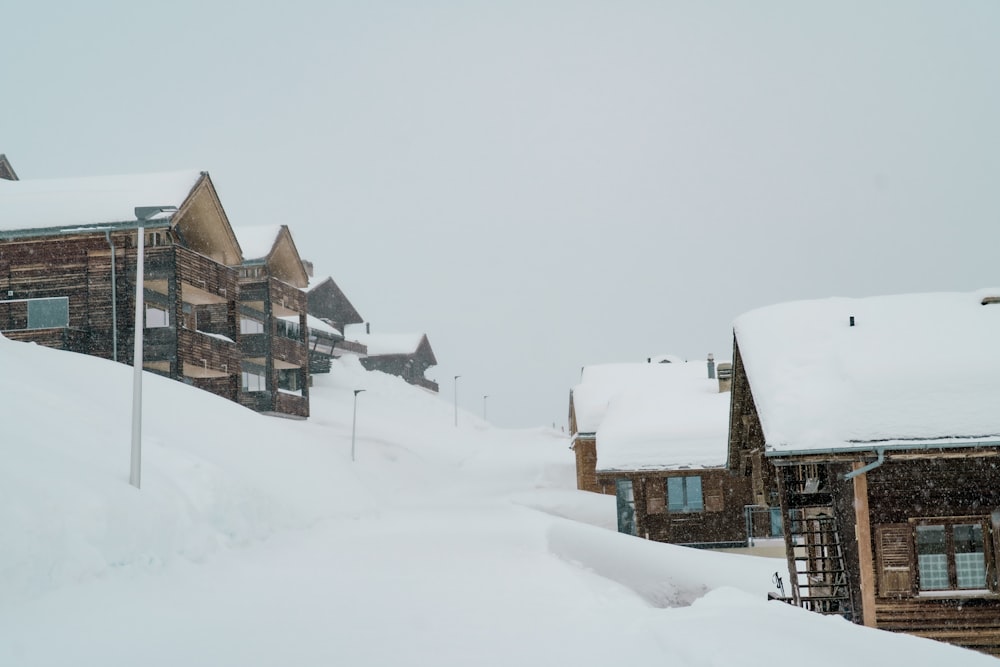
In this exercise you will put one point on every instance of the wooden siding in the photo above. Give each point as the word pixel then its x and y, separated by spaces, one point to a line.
pixel 746 438
pixel 79 267
pixel 71 340
pixel 934 487
pixel 720 523
pixel 410 367
pixel 275 296
pixel 585 449
pixel 908 487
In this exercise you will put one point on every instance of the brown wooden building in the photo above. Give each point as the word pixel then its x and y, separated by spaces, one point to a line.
pixel 406 355
pixel 6 169
pixel 662 446
pixel 331 313
pixel 588 403
pixel 68 251
pixel 273 330
pixel 873 424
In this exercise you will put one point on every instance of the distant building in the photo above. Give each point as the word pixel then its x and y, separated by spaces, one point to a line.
pixel 406 355
pixel 662 444
pixel 6 170
pixel 588 403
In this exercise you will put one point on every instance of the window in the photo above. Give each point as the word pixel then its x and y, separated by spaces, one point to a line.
pixel 684 494
pixel 156 317
pixel 951 555
pixel 290 380
pixel 48 313
pixel 248 325
pixel 626 506
pixel 289 329
pixel 254 381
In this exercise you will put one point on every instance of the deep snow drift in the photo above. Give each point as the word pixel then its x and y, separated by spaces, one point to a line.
pixel 257 541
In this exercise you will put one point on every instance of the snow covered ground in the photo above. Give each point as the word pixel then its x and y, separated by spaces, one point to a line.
pixel 256 541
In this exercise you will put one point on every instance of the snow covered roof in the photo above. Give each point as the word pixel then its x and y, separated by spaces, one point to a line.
pixel 257 242
pixel 913 370
pixel 317 324
pixel 672 417
pixel 384 344
pixel 600 383
pixel 43 203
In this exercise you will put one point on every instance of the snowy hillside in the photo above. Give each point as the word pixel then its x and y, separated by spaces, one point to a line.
pixel 256 541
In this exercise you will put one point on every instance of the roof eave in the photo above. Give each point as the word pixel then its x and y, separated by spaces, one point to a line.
pixel 874 446
pixel 90 228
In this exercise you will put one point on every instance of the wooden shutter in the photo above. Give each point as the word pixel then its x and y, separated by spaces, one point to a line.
pixel 894 544
pixel 714 496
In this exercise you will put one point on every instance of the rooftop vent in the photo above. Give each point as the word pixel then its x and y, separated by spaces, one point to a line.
pixel 725 377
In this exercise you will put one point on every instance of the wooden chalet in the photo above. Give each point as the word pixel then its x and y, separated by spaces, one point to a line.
pixel 588 403
pixel 662 444
pixel 68 250
pixel 406 355
pixel 274 340
pixel 6 170
pixel 873 425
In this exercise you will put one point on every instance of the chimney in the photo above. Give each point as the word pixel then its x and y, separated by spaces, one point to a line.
pixel 725 377
pixel 368 327
pixel 711 366
pixel 308 266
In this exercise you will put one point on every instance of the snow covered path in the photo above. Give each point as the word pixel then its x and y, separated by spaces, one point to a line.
pixel 256 542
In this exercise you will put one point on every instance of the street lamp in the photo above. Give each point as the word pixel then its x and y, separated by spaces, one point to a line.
pixel 456 399
pixel 485 396
pixel 144 215
pixel 354 421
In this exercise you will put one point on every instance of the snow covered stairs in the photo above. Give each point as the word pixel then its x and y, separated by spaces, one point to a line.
pixel 816 555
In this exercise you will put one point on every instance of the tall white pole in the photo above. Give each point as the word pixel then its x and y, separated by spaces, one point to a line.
pixel 485 396
pixel 354 421
pixel 456 399
pixel 135 473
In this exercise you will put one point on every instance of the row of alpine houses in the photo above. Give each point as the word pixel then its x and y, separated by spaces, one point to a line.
pixel 228 310
pixel 864 432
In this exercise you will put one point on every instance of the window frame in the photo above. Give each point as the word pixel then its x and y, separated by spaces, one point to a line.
pixel 949 523
pixel 260 380
pixel 688 506
pixel 165 310
pixel 48 323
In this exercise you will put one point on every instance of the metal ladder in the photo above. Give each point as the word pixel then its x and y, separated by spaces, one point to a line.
pixel 816 557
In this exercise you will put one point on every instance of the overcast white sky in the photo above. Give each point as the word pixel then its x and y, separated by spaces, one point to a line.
pixel 541 185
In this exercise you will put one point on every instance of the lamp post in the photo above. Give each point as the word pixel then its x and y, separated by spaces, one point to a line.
pixel 456 399
pixel 144 215
pixel 485 396
pixel 354 422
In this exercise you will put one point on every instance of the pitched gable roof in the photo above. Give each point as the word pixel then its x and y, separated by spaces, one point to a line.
pixel 6 169
pixel 274 246
pixel 40 207
pixel 912 370
pixel 668 419
pixel 62 202
pixel 383 345
pixel 328 301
